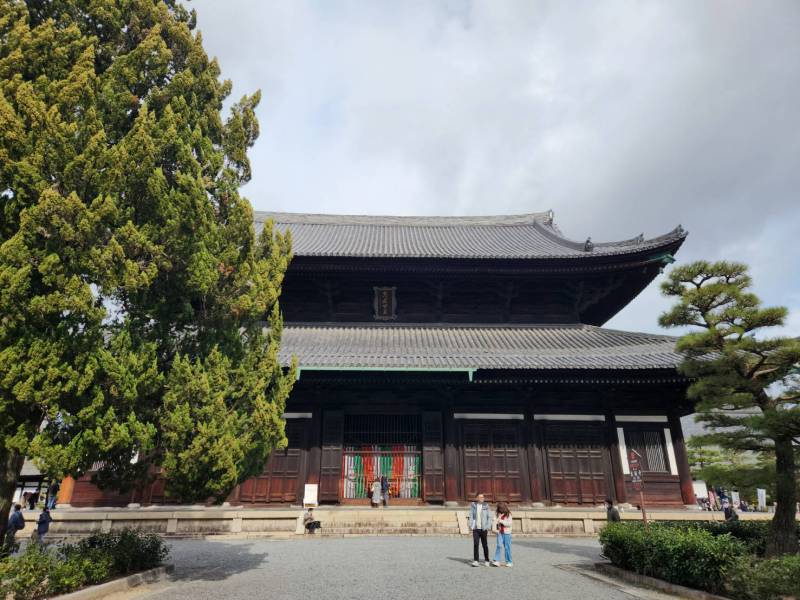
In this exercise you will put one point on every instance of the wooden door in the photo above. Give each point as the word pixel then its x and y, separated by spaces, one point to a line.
pixel 284 474
pixel 492 461
pixel 577 463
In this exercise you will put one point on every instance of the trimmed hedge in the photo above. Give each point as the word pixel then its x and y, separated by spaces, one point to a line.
pixel 41 572
pixel 692 556
pixel 771 579
pixel 753 533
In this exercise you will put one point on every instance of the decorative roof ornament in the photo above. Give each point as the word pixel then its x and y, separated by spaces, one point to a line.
pixel 549 216
pixel 640 239
pixel 588 246
pixel 680 230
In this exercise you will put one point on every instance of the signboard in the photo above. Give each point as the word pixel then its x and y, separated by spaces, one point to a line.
pixel 310 494
pixel 735 498
pixel 700 489
pixel 762 499
pixel 635 469
pixel 385 303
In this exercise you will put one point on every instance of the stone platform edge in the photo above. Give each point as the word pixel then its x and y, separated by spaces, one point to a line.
pixel 119 585
pixel 654 583
pixel 201 521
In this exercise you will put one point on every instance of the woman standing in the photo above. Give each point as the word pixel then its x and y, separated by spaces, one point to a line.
pixel 376 493
pixel 503 534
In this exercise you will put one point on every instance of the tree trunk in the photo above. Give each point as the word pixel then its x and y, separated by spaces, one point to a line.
pixel 783 529
pixel 10 467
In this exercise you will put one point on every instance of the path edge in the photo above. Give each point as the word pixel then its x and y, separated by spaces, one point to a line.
pixel 654 583
pixel 119 585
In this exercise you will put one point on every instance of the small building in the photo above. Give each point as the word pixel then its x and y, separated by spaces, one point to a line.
pixel 457 355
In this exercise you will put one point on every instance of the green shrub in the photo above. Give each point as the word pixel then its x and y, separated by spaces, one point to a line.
pixel 42 572
pixel 770 579
pixel 686 556
pixel 753 533
pixel 130 550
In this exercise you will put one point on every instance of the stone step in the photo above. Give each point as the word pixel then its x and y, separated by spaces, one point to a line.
pixel 339 531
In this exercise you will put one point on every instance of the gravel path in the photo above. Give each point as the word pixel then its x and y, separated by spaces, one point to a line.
pixel 381 568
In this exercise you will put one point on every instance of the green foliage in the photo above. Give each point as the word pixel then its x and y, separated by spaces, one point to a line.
pixel 691 557
pixel 753 534
pixel 129 550
pixel 740 471
pixel 745 384
pixel 77 569
pixel 128 259
pixel 772 579
pixel 25 576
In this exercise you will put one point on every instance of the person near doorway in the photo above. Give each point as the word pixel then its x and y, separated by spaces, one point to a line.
pixel 503 535
pixel 480 522
pixel 16 522
pixel 612 513
pixel 309 522
pixel 52 494
pixel 385 490
pixel 376 493
pixel 43 524
pixel 33 500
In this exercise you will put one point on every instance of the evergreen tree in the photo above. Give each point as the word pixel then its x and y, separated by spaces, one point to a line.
pixel 139 320
pixel 745 383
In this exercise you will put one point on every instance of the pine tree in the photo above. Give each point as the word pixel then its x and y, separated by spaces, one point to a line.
pixel 744 383
pixel 139 320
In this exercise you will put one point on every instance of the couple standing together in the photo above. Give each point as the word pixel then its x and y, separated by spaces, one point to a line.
pixel 481 523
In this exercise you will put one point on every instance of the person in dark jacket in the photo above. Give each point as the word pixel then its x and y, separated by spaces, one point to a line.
pixel 43 524
pixel 16 522
pixel 52 494
pixel 385 490
pixel 612 513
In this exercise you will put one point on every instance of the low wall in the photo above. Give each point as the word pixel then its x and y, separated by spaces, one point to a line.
pixel 202 521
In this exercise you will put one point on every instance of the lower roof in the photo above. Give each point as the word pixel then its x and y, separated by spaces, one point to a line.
pixel 466 347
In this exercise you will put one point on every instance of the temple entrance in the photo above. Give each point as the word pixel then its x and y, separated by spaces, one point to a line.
pixel 577 462
pixel 492 463
pixel 381 445
pixel 284 474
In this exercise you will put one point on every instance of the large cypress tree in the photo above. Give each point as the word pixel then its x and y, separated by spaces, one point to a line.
pixel 745 383
pixel 139 320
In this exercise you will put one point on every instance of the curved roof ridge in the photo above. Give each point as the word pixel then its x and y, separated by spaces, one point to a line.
pixel 290 218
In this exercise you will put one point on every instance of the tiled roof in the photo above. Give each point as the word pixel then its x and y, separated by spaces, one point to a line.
pixel 475 347
pixel 528 236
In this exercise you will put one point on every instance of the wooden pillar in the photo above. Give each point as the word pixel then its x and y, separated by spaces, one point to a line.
pixel 452 460
pixel 64 497
pixel 679 445
pixel 432 457
pixel 331 456
pixel 314 443
pixel 616 458
pixel 535 458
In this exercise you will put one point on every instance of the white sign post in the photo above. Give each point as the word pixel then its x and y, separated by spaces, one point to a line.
pixel 310 494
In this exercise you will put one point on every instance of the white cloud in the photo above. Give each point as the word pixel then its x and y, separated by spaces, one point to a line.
pixel 621 116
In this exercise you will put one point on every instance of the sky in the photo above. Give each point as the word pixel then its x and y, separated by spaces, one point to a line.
pixel 621 117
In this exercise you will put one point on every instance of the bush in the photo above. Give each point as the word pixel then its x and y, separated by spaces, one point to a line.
pixel 39 572
pixel 686 556
pixel 770 579
pixel 754 534
pixel 129 549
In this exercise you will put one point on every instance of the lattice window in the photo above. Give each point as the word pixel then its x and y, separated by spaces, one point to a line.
pixel 649 443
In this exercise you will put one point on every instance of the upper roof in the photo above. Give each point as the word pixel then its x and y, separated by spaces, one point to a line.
pixel 421 347
pixel 528 236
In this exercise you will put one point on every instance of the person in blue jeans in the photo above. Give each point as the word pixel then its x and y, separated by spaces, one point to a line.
pixel 503 535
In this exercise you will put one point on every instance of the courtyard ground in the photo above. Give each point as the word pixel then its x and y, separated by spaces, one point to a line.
pixel 383 568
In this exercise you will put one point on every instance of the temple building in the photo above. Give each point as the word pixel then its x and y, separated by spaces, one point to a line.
pixel 457 355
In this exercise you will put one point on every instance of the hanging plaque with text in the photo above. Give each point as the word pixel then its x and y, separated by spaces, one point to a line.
pixel 385 303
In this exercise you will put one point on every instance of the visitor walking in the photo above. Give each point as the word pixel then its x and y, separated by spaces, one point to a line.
pixel 16 522
pixel 33 499
pixel 385 490
pixel 376 493
pixel 612 513
pixel 43 524
pixel 52 494
pixel 310 524
pixel 503 535
pixel 480 522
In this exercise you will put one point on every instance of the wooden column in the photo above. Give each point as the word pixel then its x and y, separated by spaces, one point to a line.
pixel 679 445
pixel 452 460
pixel 535 458
pixel 65 491
pixel 314 444
pixel 331 458
pixel 616 459
pixel 432 457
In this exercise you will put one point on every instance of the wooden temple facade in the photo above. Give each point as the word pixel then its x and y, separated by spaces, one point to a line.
pixel 458 355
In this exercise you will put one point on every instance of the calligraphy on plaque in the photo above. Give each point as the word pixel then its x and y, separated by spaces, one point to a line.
pixel 385 303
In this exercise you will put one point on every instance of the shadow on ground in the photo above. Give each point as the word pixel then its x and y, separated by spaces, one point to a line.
pixel 556 547
pixel 220 562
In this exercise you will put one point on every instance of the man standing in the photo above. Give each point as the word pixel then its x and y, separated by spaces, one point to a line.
pixel 480 522
pixel 16 522
pixel 43 524
pixel 612 514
